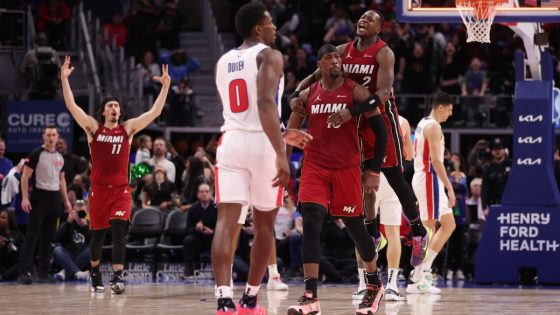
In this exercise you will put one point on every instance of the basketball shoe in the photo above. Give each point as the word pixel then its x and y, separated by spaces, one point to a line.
pixel 358 295
pixel 226 307
pixel 393 294
pixel 428 279
pixel 308 305
pixel 276 284
pixel 420 248
pixel 380 242
pixel 370 302
pixel 117 283
pixel 248 306
pixel 96 281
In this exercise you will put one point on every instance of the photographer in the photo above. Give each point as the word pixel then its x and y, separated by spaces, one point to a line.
pixel 40 67
pixel 72 249
pixel 10 243
pixel 495 176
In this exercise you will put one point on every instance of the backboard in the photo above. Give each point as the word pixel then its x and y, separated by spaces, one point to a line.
pixel 444 11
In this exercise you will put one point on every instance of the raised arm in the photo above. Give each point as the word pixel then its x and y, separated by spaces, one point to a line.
pixel 134 125
pixel 270 71
pixel 88 123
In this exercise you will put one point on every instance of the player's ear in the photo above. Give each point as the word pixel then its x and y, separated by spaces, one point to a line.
pixel 258 29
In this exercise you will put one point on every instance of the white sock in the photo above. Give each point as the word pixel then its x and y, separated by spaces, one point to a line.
pixel 392 275
pixel 417 274
pixel 427 266
pixel 362 277
pixel 273 271
pixel 252 290
pixel 224 292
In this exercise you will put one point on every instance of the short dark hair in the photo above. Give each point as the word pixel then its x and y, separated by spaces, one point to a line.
pixel 247 17
pixel 50 127
pixel 382 18
pixel 99 114
pixel 326 49
pixel 441 98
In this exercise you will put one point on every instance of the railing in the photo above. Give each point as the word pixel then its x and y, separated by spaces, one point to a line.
pixel 31 35
pixel 85 32
pixel 211 30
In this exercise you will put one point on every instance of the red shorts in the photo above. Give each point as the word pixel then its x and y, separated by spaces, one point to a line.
pixel 337 189
pixel 394 152
pixel 107 203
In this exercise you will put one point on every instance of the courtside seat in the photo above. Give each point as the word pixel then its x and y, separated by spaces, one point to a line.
pixel 145 229
pixel 171 240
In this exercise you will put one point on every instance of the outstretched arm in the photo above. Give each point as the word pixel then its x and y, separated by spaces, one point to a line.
pixel 134 125
pixel 88 123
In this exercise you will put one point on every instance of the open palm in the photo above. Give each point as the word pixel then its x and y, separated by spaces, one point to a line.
pixel 66 70
pixel 164 79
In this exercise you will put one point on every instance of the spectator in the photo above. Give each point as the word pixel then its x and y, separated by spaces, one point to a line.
pixel 40 68
pixel 143 154
pixel 179 163
pixel 72 251
pixel 141 24
pixel 416 80
pixel 474 203
pixel 201 222
pixel 52 17
pixel 451 76
pixel 192 178
pixel 474 84
pixel 145 71
pixel 302 64
pixel 338 261
pixel 168 28
pixel 284 227
pixel 339 29
pixel 11 241
pixel 5 164
pixel 83 183
pixel 495 176
pixel 73 164
pixel 158 193
pixel 114 33
pixel 11 195
pixel 159 159
pixel 183 109
pixel 46 166
pixel 208 166
pixel 180 64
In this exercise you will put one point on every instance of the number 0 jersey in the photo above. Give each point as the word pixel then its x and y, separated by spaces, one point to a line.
pixel 236 80
pixel 109 156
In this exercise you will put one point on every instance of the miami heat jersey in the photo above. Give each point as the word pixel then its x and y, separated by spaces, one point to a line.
pixel 422 161
pixel 332 147
pixel 109 156
pixel 236 80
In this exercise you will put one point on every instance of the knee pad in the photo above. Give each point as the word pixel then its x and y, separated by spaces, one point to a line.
pixel 96 244
pixel 119 228
pixel 313 217
pixel 360 236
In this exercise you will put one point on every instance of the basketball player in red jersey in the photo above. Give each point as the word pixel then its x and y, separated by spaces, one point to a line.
pixel 370 62
pixel 110 197
pixel 331 177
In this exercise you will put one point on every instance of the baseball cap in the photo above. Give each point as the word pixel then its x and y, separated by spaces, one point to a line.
pixel 497 143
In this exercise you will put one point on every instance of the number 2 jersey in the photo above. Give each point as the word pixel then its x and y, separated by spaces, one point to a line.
pixel 109 156
pixel 332 147
pixel 236 80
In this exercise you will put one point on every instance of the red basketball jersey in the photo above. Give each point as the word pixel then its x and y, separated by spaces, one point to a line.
pixel 109 156
pixel 332 147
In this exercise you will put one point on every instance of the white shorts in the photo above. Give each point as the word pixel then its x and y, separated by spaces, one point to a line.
pixel 386 200
pixel 245 168
pixel 243 214
pixel 431 196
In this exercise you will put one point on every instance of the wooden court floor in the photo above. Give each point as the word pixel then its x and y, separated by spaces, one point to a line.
pixel 75 298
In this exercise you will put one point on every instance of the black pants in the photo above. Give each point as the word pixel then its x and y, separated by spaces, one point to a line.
pixel 193 246
pixel 457 253
pixel 46 206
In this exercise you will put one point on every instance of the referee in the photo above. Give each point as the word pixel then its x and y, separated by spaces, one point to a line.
pixel 45 167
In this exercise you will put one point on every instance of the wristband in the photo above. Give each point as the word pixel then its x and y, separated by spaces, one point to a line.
pixel 373 173
pixel 370 104
pixel 293 95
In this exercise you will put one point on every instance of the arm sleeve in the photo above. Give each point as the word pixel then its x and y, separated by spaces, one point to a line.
pixel 378 125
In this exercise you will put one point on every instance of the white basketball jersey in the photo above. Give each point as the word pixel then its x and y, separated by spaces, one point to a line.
pixel 422 160
pixel 236 80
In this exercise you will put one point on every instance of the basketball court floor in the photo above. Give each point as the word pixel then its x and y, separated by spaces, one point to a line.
pixel 182 298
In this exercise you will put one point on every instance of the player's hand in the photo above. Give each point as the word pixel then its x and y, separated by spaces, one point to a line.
pixel 282 171
pixel 339 118
pixel 68 206
pixel 297 138
pixel 164 79
pixel 25 205
pixel 297 106
pixel 451 197
pixel 66 70
pixel 371 183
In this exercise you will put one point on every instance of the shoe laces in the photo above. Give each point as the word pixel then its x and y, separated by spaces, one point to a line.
pixel 225 304
pixel 369 296
pixel 248 301
pixel 307 296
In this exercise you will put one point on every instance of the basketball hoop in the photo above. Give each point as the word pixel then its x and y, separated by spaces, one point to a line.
pixel 478 16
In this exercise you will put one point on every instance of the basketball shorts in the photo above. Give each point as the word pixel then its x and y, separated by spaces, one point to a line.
pixel 431 195
pixel 388 204
pixel 394 153
pixel 245 168
pixel 338 190
pixel 243 215
pixel 109 203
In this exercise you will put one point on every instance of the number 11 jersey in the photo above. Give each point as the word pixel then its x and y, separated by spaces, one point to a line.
pixel 109 156
pixel 236 80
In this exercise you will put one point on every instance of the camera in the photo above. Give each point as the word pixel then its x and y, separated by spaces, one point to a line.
pixel 82 214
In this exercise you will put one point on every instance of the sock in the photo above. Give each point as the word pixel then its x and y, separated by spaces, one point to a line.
pixel 417 274
pixel 224 292
pixel 272 271
pixel 372 278
pixel 427 266
pixel 418 228
pixel 371 226
pixel 392 275
pixel 252 290
pixel 311 285
pixel 362 277
pixel 231 281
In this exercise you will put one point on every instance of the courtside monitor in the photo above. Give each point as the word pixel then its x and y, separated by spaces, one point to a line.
pixel 445 11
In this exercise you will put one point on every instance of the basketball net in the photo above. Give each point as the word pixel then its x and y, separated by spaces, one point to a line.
pixel 478 16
